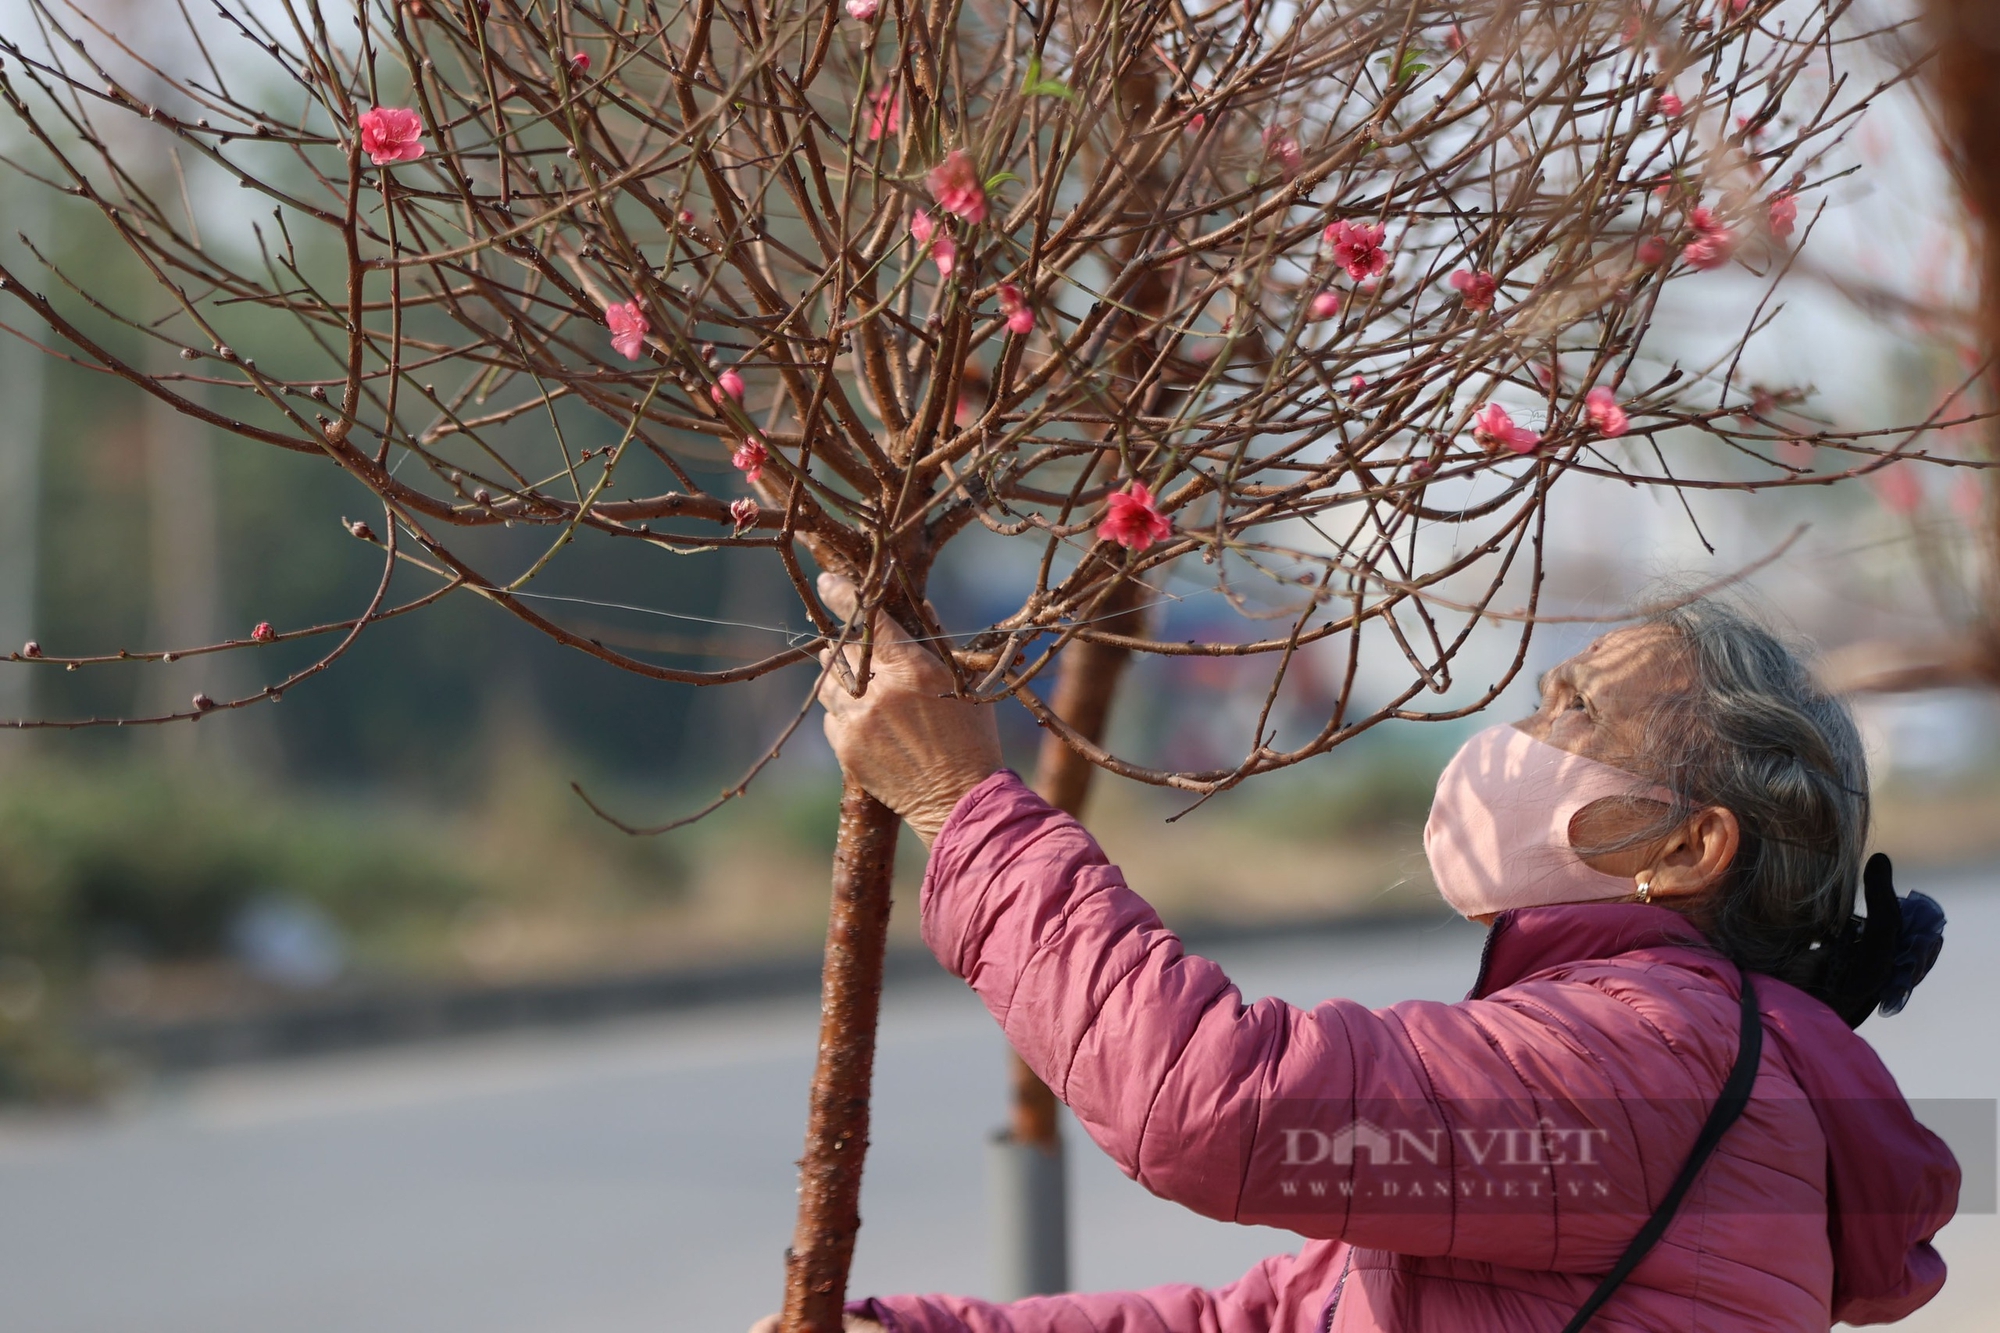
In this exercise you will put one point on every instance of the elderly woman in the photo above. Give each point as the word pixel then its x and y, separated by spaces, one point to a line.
pixel 1650 1112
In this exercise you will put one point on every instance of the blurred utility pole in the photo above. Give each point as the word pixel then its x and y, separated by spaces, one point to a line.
pixel 22 369
pixel 1026 1173
pixel 185 563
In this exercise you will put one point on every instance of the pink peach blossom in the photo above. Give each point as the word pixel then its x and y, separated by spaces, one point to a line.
pixel 263 633
pixel 391 134
pixel 1454 39
pixel 1196 121
pixel 628 326
pixel 1133 520
pixel 1326 305
pixel 743 513
pixel 1653 251
pixel 1282 147
pixel 885 111
pixel 1784 214
pixel 1477 289
pixel 728 384
pixel 1602 407
pixel 954 183
pixel 1020 315
pixel 1359 384
pixel 750 458
pixel 579 64
pixel 863 10
pixel 944 250
pixel 1713 242
pixel 1357 247
pixel 1495 429
pixel 1670 106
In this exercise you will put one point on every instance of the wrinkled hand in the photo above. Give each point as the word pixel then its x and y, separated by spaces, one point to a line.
pixel 910 744
pixel 855 1324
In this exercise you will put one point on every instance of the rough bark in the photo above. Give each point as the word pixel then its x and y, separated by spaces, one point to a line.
pixel 857 930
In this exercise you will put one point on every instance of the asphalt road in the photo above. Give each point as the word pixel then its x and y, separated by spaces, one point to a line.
pixel 638 1176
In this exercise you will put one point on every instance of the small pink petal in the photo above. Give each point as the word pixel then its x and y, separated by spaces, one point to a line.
pixel 1326 305
pixel 743 513
pixel 862 10
pixel 729 384
pixel 1670 106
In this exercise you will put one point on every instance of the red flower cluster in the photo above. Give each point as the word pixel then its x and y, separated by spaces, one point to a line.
pixel 954 183
pixel 1495 429
pixel 1478 289
pixel 1602 407
pixel 944 250
pixel 1713 242
pixel 885 111
pixel 1020 315
pixel 1357 247
pixel 1784 214
pixel 391 134
pixel 627 323
pixel 749 459
pixel 1133 520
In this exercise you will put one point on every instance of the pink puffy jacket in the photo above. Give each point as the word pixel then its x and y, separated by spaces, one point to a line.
pixel 1613 1020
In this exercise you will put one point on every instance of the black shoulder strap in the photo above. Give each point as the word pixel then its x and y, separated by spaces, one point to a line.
pixel 1735 1096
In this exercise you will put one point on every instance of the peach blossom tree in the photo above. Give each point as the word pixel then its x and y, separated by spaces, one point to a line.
pixel 1301 309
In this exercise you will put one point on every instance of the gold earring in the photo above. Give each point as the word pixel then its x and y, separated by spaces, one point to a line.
pixel 1644 893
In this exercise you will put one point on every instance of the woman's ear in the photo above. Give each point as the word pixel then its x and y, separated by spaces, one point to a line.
pixel 1694 858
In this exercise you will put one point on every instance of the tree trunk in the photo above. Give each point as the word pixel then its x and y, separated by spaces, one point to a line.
pixel 1966 78
pixel 837 1122
pixel 1086 682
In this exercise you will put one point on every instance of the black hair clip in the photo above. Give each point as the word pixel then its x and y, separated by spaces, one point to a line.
pixel 1875 963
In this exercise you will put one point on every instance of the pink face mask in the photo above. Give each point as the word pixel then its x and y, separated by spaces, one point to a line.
pixel 1498 835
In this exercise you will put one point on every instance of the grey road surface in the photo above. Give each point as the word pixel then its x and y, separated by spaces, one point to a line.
pixel 638 1177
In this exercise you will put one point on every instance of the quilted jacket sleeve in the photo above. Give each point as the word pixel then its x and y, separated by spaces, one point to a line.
pixel 1248 1305
pixel 1191 1091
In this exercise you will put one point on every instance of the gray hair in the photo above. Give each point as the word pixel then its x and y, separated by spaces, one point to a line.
pixel 1755 733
